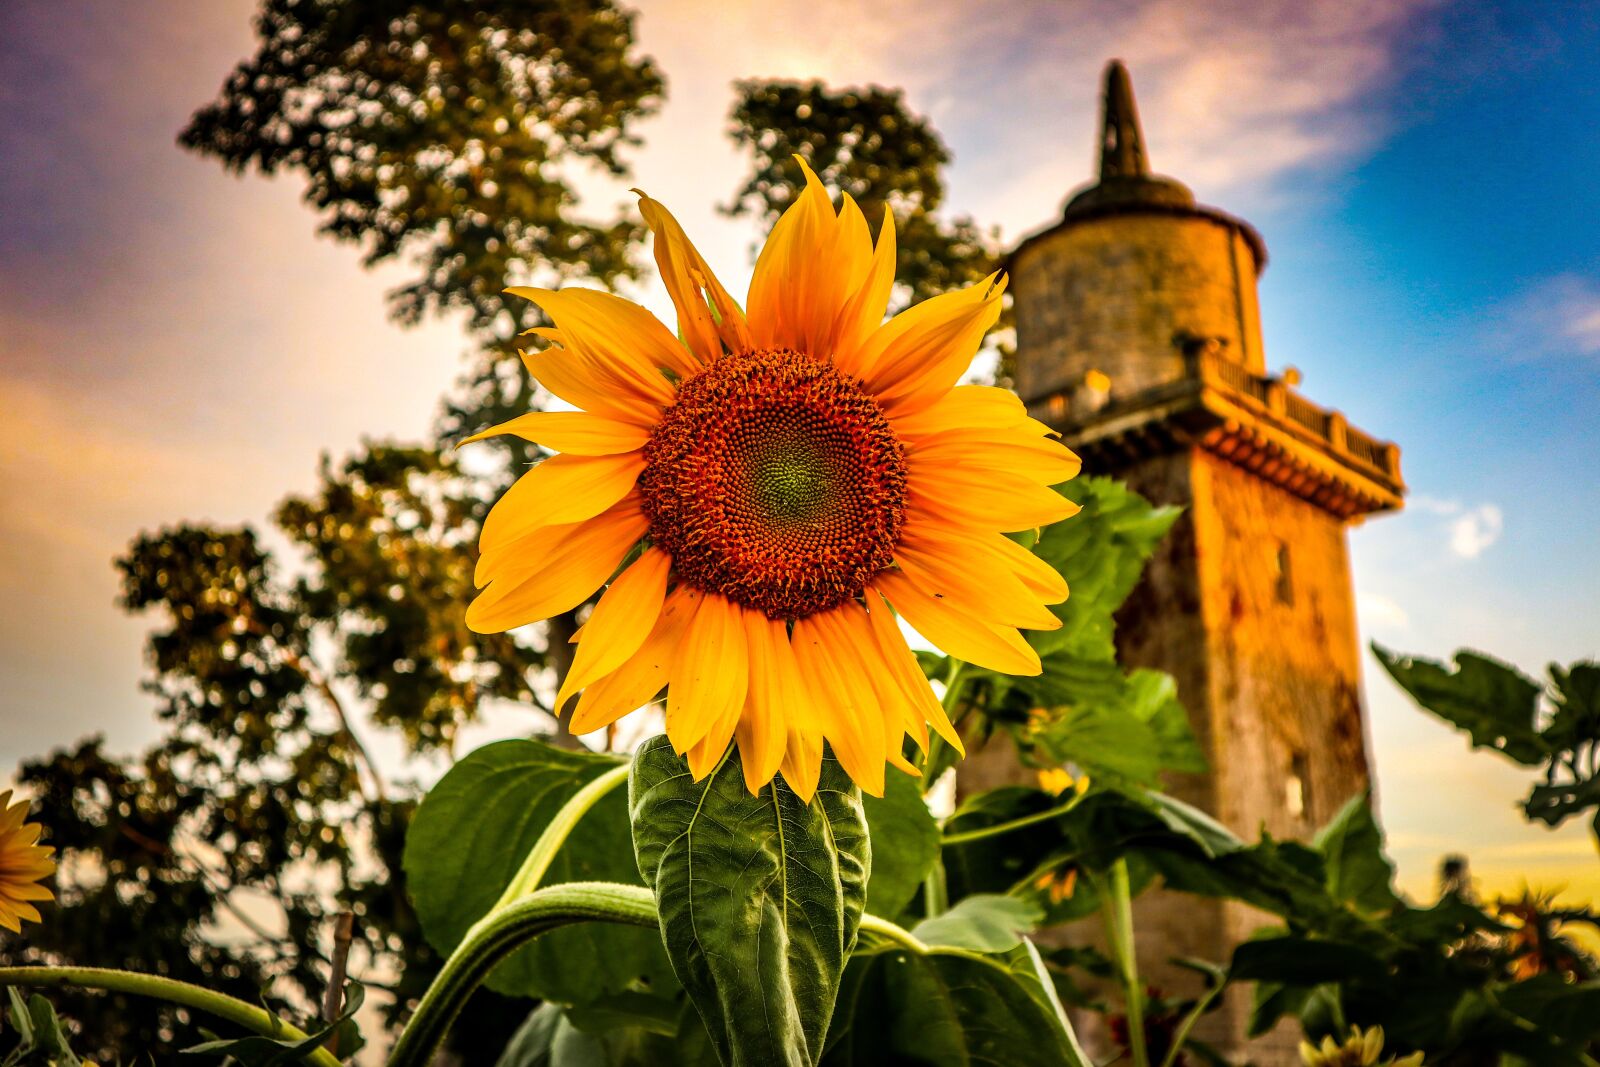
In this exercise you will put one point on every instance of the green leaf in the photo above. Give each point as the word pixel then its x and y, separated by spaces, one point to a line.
pixel 472 833
pixel 760 898
pixel 949 1010
pixel 1494 702
pixel 905 844
pixel 983 922
pixel 260 1051
pixel 551 1038
pixel 1101 552
pixel 1577 701
pixel 47 1036
pixel 1358 872
pixel 1302 961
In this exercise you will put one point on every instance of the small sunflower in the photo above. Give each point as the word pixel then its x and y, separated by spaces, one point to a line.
pixel 23 862
pixel 768 487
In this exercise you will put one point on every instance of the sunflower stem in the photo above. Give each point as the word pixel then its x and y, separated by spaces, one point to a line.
pixel 256 1020
pixel 499 933
pixel 1119 927
pixel 965 837
pixel 544 850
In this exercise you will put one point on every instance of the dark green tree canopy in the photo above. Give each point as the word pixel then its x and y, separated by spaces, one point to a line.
pixel 429 130
pixel 867 143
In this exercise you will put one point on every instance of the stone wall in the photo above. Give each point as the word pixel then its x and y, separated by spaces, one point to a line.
pixel 1113 294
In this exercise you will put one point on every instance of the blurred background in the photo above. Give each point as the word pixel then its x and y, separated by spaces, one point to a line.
pixel 179 344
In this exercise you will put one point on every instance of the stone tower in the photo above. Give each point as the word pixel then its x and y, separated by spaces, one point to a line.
pixel 1139 337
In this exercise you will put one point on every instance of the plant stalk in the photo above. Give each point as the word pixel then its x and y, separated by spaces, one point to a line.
pixel 967 836
pixel 544 850
pixel 499 933
pixel 256 1020
pixel 1119 926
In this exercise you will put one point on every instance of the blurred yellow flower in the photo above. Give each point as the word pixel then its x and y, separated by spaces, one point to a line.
pixel 23 863
pixel 768 486
pixel 1361 1049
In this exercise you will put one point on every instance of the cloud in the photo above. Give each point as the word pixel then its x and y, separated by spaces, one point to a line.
pixel 1378 612
pixel 1469 530
pixel 1554 318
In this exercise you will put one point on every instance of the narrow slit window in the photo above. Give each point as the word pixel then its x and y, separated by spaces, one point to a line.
pixel 1283 573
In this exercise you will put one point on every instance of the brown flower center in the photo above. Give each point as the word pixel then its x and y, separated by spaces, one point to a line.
pixel 776 482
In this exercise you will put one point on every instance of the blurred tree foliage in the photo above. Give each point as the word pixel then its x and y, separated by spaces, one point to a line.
pixel 867 143
pixel 219 854
pixel 443 134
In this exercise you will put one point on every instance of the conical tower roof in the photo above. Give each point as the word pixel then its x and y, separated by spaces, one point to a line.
pixel 1125 177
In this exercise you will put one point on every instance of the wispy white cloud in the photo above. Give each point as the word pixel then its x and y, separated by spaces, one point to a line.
pixel 1555 317
pixel 1469 529
pixel 1380 613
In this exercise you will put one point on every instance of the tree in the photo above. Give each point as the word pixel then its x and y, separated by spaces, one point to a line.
pixel 867 143
pixel 262 794
pixel 432 132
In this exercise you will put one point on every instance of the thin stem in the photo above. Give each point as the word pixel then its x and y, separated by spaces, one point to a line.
pixel 935 890
pixel 888 931
pixel 495 936
pixel 256 1020
pixel 967 836
pixel 1119 927
pixel 1182 1033
pixel 936 744
pixel 555 835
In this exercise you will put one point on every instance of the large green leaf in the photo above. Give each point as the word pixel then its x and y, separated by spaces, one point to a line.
pixel 470 836
pixel 949 1009
pixel 905 844
pixel 760 898
pixel 983 922
pixel 1358 873
pixel 551 1038
pixel 1494 702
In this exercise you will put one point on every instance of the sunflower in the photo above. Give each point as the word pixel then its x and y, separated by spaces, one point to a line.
pixel 760 493
pixel 23 862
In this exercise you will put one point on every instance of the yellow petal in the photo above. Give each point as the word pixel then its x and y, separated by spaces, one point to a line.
pixel 866 309
pixel 564 578
pixel 641 679
pixel 694 289
pixel 843 700
pixel 622 619
pixel 575 432
pixel 985 499
pixel 763 728
pixel 965 407
pixel 575 379
pixel 919 355
pixel 977 582
pixel 711 675
pixel 1000 648
pixel 906 672
pixel 810 267
pixel 1045 461
pixel 560 490
pixel 617 335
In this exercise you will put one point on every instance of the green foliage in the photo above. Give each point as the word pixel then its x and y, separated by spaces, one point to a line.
pixel 864 142
pixel 1083 708
pixel 550 1038
pixel 982 922
pixel 950 1009
pixel 905 844
pixel 41 1037
pixel 470 836
pixel 261 785
pixel 1556 724
pixel 433 132
pixel 759 896
pixel 259 1051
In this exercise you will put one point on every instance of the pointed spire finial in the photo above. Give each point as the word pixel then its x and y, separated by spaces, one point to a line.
pixel 1122 152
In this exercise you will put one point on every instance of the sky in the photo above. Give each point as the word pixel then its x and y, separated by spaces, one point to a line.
pixel 176 343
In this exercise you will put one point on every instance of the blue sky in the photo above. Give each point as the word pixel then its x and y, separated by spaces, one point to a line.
pixel 1423 172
